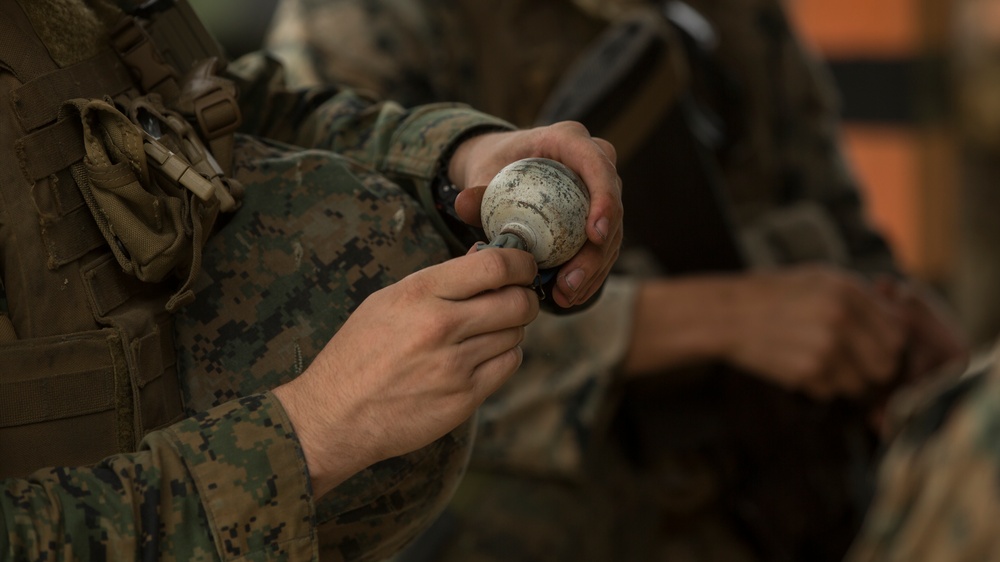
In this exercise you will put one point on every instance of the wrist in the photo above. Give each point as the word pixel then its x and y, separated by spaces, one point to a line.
pixel 679 322
pixel 455 161
pixel 329 460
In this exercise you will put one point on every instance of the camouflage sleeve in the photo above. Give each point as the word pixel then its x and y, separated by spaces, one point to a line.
pixel 408 146
pixel 938 495
pixel 544 418
pixel 229 483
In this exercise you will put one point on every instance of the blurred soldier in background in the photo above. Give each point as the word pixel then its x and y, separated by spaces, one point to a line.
pixel 747 253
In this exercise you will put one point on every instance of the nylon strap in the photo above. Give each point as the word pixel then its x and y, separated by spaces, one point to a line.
pixel 70 237
pixel 109 286
pixel 137 50
pixel 49 150
pixel 68 395
pixel 38 101
pixel 61 386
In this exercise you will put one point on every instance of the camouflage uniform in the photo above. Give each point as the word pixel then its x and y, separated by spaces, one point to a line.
pixel 330 215
pixel 546 482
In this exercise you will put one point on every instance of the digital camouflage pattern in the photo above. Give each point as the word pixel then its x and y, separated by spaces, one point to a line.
pixel 317 234
pixel 330 215
pixel 546 482
pixel 226 483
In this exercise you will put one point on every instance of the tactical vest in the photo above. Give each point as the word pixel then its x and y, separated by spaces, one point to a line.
pixel 106 196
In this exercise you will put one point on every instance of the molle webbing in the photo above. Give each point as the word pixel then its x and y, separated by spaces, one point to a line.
pixel 37 102
pixel 87 360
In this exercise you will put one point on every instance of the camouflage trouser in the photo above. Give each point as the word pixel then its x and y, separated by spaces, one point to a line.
pixel 315 236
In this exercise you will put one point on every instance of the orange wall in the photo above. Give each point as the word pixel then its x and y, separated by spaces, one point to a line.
pixel 852 28
pixel 906 171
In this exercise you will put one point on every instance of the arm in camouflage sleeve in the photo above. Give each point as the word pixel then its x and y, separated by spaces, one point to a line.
pixel 410 146
pixel 404 144
pixel 225 484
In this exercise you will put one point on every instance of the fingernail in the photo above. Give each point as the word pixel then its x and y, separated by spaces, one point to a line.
pixel 601 227
pixel 574 279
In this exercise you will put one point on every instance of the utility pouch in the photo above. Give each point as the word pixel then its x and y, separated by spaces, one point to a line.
pixel 154 190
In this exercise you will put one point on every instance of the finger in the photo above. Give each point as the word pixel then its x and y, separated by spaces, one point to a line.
pixel 574 285
pixel 881 330
pixel 492 311
pixel 607 148
pixel 464 277
pixel 596 282
pixel 490 375
pixel 577 149
pixel 875 361
pixel 468 205
pixel 484 347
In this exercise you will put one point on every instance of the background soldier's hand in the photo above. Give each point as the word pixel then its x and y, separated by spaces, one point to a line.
pixel 814 329
pixel 817 329
pixel 934 335
pixel 479 159
pixel 412 363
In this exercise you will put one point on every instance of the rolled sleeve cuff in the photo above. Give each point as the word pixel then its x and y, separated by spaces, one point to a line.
pixel 428 133
pixel 421 145
pixel 250 471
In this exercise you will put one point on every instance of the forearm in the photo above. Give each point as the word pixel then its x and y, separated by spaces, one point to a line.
pixel 223 484
pixel 679 322
pixel 403 143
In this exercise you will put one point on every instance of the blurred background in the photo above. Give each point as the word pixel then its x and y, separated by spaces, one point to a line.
pixel 920 91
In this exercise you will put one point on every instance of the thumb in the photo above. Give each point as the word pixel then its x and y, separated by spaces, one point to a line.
pixel 468 204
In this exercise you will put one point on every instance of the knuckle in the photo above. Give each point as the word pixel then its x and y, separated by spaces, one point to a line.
pixel 574 126
pixel 494 264
pixel 439 327
pixel 524 304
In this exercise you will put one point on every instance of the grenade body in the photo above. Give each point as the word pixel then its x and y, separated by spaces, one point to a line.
pixel 543 204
